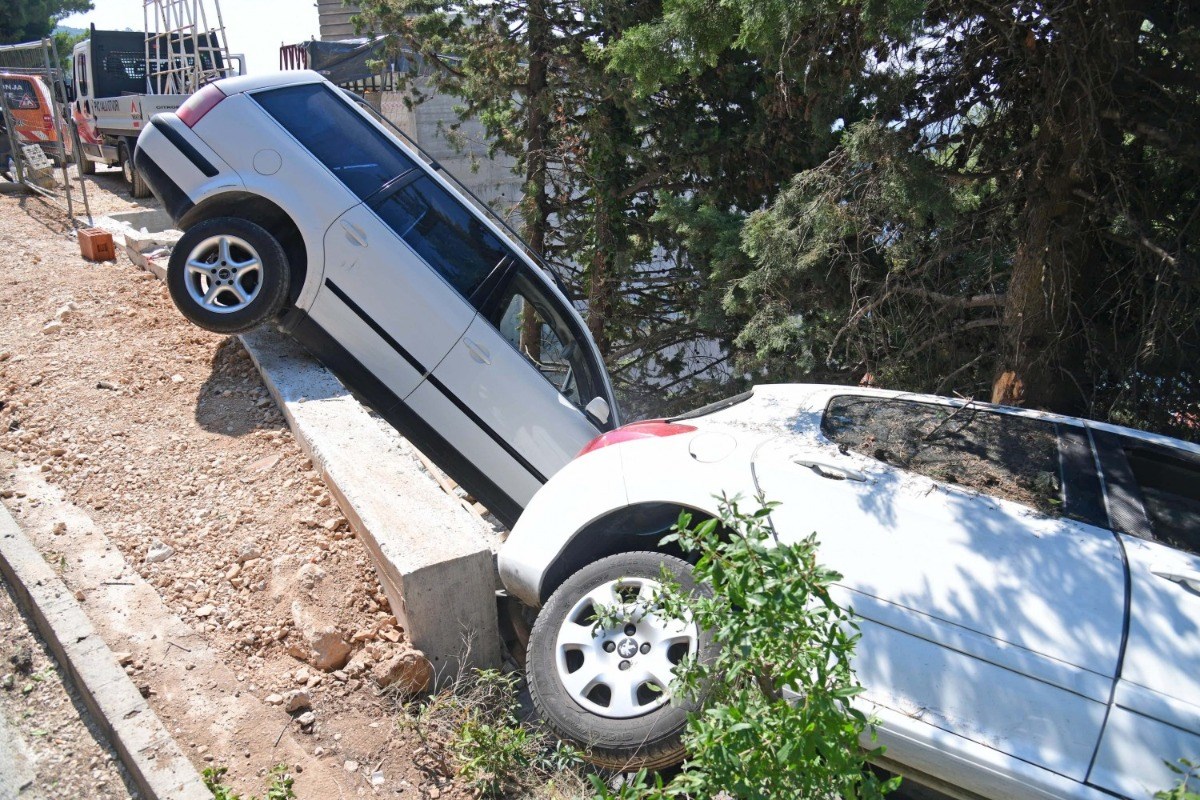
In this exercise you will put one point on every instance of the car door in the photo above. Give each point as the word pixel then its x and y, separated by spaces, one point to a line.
pixel 995 620
pixel 400 264
pixel 521 378
pixel 401 272
pixel 1155 714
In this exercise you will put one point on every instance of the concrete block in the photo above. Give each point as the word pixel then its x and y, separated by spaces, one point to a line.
pixel 433 557
pixel 151 219
pixel 146 235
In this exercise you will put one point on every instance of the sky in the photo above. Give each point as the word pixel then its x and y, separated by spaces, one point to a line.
pixel 255 28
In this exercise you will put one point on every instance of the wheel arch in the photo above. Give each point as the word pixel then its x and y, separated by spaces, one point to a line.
pixel 265 213
pixel 638 526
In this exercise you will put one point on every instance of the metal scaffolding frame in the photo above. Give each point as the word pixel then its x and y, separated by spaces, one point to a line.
pixel 34 163
pixel 183 53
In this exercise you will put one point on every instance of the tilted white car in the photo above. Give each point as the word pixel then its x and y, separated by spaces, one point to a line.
pixel 1027 585
pixel 296 198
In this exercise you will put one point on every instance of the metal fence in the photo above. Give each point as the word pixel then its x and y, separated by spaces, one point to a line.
pixel 36 145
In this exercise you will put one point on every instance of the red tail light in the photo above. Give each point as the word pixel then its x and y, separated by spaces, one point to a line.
pixel 648 429
pixel 48 120
pixel 199 104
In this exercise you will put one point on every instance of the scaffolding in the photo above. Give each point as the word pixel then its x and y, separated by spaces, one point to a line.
pixel 39 156
pixel 183 52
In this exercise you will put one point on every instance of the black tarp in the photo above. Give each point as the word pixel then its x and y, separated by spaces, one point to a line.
pixel 351 61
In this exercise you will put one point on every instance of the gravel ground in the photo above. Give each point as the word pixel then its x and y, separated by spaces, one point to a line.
pixel 164 434
pixel 58 751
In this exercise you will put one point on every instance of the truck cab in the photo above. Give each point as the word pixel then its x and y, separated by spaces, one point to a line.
pixel 114 100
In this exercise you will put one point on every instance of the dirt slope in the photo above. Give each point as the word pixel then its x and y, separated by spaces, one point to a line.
pixel 165 437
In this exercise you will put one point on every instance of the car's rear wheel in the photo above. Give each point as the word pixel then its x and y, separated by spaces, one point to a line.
pixel 606 687
pixel 228 275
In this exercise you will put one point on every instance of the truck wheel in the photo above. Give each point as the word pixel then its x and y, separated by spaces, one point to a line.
pixel 137 185
pixel 86 165
pixel 228 275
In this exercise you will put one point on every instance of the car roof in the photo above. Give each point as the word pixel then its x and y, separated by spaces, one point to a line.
pixel 267 80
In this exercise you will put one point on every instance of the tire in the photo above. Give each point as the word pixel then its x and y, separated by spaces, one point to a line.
pixel 137 184
pixel 246 261
pixel 86 165
pixel 646 730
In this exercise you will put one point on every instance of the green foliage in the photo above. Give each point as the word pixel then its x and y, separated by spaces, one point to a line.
pixel 29 20
pixel 1016 197
pixel 279 789
pixel 471 732
pixel 776 718
pixel 1188 787
pixel 64 43
pixel 960 197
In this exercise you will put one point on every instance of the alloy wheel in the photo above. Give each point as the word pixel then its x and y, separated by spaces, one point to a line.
pixel 224 274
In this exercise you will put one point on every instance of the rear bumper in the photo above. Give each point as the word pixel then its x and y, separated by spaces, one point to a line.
pixel 168 192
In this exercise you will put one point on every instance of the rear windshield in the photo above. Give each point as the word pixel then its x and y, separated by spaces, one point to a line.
pixel 346 142
pixel 20 95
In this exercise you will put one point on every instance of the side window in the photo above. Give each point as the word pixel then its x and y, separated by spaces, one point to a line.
pixel 357 152
pixel 81 76
pixel 526 318
pixel 1006 456
pixel 1170 487
pixel 444 232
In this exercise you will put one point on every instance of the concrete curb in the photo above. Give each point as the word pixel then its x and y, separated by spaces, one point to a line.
pixel 153 759
pixel 433 557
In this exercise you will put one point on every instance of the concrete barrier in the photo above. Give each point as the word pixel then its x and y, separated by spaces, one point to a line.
pixel 434 558
pixel 153 759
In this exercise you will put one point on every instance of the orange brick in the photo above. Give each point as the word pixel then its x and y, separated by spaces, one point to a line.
pixel 96 244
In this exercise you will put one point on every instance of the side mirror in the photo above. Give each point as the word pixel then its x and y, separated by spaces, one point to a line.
pixel 597 410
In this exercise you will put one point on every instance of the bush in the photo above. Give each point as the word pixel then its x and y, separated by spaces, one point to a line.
pixel 1188 787
pixel 471 732
pixel 280 788
pixel 775 717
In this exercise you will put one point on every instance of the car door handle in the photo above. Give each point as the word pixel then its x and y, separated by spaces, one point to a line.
pixel 477 351
pixel 355 234
pixel 831 471
pixel 1189 579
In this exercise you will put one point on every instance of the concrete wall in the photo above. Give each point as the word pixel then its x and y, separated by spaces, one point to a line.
pixel 491 179
pixel 335 20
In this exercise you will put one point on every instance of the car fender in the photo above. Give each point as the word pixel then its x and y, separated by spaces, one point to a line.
pixel 595 486
pixel 617 483
pixel 291 178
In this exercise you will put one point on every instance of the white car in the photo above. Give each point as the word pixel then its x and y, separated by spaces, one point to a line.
pixel 297 199
pixel 1027 585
